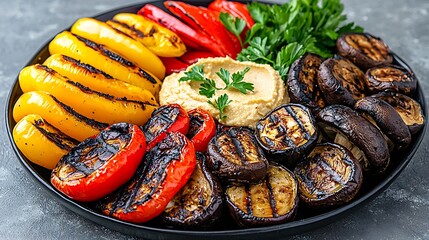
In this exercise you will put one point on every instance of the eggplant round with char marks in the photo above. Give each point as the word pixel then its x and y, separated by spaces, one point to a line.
pixel 364 50
pixel 387 119
pixel 234 156
pixel 409 109
pixel 273 201
pixel 199 203
pixel 341 82
pixel 346 127
pixel 330 176
pixel 390 78
pixel 302 82
pixel 287 133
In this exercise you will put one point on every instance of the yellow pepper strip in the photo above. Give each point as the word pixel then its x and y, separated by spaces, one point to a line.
pixel 40 142
pixel 102 58
pixel 122 44
pixel 157 38
pixel 61 116
pixel 91 104
pixel 97 80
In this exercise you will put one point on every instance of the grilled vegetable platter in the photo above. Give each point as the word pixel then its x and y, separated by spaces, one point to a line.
pixel 213 118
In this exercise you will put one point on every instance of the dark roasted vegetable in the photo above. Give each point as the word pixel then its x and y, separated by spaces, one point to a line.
pixel 341 82
pixel 387 119
pixel 408 108
pixel 364 50
pixel 358 135
pixel 199 203
pixel 330 176
pixel 234 156
pixel 202 128
pixel 302 82
pixel 273 201
pixel 287 133
pixel 390 78
pixel 166 168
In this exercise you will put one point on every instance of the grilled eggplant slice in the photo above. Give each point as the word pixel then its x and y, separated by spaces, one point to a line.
pixel 349 129
pixel 341 82
pixel 408 108
pixel 387 119
pixel 287 133
pixel 364 50
pixel 235 156
pixel 330 176
pixel 302 82
pixel 199 203
pixel 390 79
pixel 273 201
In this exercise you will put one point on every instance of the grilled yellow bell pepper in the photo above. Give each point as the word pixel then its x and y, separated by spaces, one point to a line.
pixel 102 58
pixel 122 44
pixel 40 142
pixel 157 38
pixel 61 116
pixel 97 80
pixel 98 106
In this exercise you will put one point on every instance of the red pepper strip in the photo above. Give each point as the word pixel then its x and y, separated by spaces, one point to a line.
pixel 236 9
pixel 174 65
pixel 191 57
pixel 202 129
pixel 100 165
pixel 200 17
pixel 167 168
pixel 234 40
pixel 191 37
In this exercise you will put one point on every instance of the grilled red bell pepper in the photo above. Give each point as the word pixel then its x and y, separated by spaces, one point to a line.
pixel 202 128
pixel 191 57
pixel 192 38
pixel 168 118
pixel 236 9
pixel 204 20
pixel 174 65
pixel 101 164
pixel 166 169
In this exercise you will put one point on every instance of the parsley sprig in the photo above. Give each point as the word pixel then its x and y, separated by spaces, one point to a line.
pixel 234 25
pixel 208 86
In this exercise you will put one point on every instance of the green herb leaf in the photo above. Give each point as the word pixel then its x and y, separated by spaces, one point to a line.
pixel 234 25
pixel 196 74
pixel 224 75
pixel 221 103
pixel 239 84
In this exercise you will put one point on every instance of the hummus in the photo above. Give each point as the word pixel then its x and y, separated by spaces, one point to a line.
pixel 245 109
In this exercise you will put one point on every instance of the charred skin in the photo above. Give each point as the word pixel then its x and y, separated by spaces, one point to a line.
pixel 341 82
pixel 273 201
pixel 387 119
pixel 360 132
pixel 364 50
pixel 234 156
pixel 331 176
pixel 287 133
pixel 390 79
pixel 408 108
pixel 155 183
pixel 302 82
pixel 199 203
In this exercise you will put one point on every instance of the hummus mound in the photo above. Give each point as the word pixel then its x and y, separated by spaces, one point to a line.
pixel 245 109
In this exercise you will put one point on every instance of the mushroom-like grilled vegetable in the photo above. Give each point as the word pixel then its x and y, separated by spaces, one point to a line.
pixel 273 201
pixel 341 82
pixel 364 50
pixel 331 176
pixel 199 203
pixel 234 156
pixel 287 133
pixel 302 82
pixel 408 108
pixel 387 119
pixel 390 78
pixel 358 135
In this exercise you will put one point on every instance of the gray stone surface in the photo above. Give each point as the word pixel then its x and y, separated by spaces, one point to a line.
pixel 28 212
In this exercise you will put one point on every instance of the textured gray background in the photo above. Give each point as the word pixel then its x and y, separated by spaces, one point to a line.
pixel 28 212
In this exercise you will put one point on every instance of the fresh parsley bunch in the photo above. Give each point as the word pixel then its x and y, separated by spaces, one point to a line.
pixel 283 33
